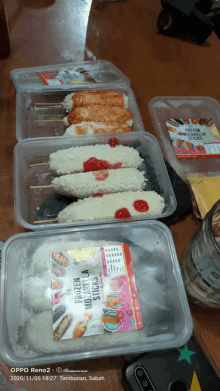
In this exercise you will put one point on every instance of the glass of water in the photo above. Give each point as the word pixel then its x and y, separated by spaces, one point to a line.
pixel 200 263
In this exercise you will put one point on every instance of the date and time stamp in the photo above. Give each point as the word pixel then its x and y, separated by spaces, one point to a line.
pixel 48 374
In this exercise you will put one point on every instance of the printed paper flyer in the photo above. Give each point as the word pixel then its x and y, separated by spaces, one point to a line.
pixel 194 138
pixel 67 76
pixel 93 292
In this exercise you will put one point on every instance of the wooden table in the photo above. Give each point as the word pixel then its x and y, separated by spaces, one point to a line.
pixel 50 32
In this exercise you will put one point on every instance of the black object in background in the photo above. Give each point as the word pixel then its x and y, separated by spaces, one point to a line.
pixel 52 206
pixel 5 48
pixel 57 202
pixel 164 371
pixel 183 196
pixel 197 18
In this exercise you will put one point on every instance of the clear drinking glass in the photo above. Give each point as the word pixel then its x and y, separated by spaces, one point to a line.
pixel 200 263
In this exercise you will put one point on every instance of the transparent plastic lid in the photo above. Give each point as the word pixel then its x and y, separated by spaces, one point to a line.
pixel 77 75
pixel 26 319
pixel 188 130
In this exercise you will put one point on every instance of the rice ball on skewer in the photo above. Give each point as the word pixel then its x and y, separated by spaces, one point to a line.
pixel 95 128
pixel 93 158
pixel 113 115
pixel 109 206
pixel 83 185
pixel 95 97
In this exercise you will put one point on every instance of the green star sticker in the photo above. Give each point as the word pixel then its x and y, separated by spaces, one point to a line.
pixel 185 354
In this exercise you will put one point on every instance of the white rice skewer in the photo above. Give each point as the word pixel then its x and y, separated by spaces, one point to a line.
pixel 71 160
pixel 105 207
pixel 83 185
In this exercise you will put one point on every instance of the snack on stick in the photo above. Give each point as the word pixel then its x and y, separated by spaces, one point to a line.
pixel 117 115
pixel 111 301
pixel 59 311
pixel 62 327
pixel 110 319
pixel 189 145
pixel 95 128
pixel 56 284
pixel 178 143
pixel 95 97
pixel 172 122
pixel 171 129
pixel 209 122
pixel 93 158
pixel 81 327
pixel 57 270
pixel 179 121
pixel 60 259
pixel 202 121
pixel 110 206
pixel 57 298
pixel 105 181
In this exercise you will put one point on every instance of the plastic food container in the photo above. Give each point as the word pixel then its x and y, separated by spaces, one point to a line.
pixel 41 90
pixel 28 201
pixel 167 321
pixel 168 107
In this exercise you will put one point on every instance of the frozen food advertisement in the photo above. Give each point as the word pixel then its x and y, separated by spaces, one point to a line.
pixel 194 138
pixel 93 292
pixel 67 76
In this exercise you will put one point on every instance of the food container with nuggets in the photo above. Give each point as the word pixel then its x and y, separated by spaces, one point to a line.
pixel 91 292
pixel 73 182
pixel 76 99
pixel 188 130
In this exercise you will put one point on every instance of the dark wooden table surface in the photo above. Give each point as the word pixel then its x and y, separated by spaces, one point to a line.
pixel 49 32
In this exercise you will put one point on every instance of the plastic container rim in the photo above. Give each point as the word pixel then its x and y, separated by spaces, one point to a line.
pixel 124 80
pixel 75 137
pixel 23 223
pixel 209 221
pixel 53 359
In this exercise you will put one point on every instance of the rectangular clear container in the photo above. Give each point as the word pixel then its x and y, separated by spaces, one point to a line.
pixel 168 107
pixel 37 103
pixel 167 321
pixel 28 201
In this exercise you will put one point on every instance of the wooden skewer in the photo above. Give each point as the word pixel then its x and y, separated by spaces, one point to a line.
pixel 44 221
pixel 48 104
pixel 48 120
pixel 38 164
pixel 40 187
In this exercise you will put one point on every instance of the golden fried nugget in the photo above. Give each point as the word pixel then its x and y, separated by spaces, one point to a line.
pixel 104 114
pixel 98 97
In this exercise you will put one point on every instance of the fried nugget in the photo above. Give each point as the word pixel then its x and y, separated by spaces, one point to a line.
pixel 95 97
pixel 117 115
